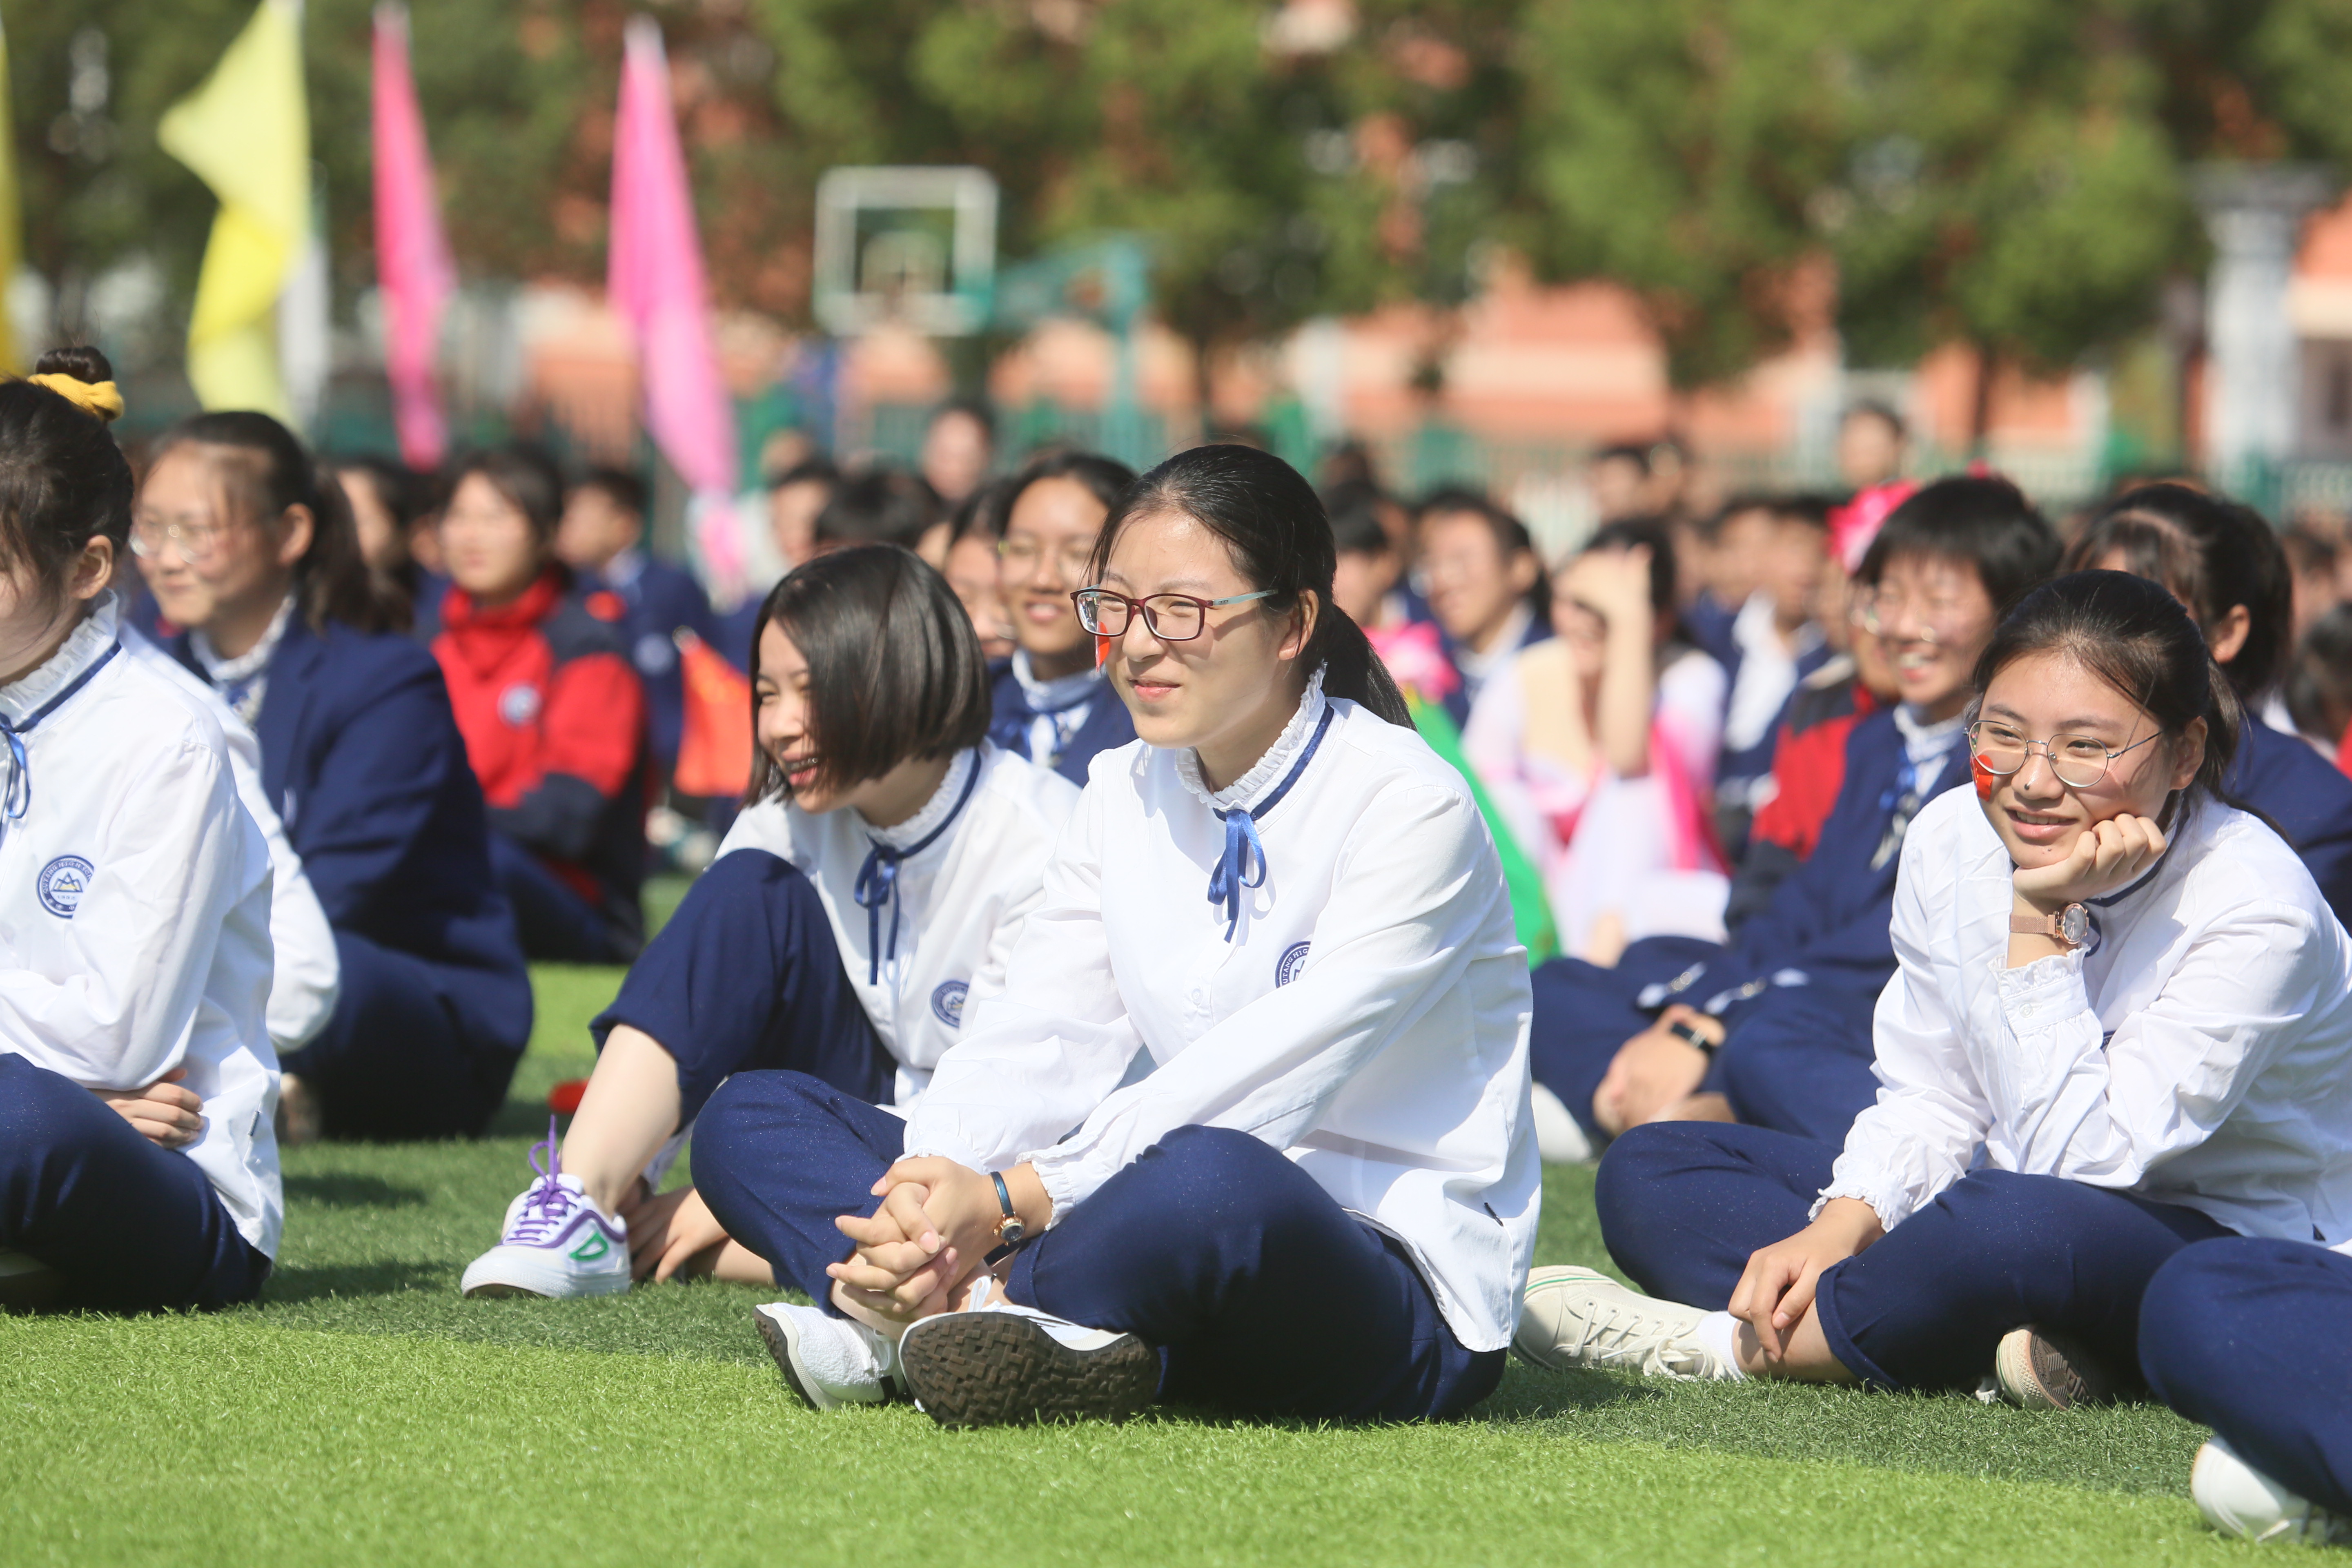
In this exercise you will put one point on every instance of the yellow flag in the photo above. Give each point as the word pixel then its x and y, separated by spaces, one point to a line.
pixel 246 133
pixel 12 240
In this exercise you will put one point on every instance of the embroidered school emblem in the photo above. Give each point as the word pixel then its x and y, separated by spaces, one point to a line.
pixel 947 1003
pixel 519 705
pixel 61 884
pixel 1288 966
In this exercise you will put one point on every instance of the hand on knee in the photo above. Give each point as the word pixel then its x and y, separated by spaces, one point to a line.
pixel 1781 1334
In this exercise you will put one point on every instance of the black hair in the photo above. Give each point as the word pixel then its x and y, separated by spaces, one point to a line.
pixel 1650 532
pixel 1739 505
pixel 2132 634
pixel 981 514
pixel 622 487
pixel 1348 462
pixel 525 477
pixel 880 506
pixel 1874 408
pixel 1807 508
pixel 894 667
pixel 817 469
pixel 2318 687
pixel 969 408
pixel 1633 452
pixel 1983 521
pixel 1274 528
pixel 2215 554
pixel 267 471
pixel 1354 508
pixel 1105 478
pixel 397 486
pixel 63 482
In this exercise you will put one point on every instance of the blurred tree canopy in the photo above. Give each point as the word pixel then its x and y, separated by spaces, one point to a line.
pixel 2009 174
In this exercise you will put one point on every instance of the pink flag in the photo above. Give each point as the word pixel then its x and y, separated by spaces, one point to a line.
pixel 411 259
pixel 656 283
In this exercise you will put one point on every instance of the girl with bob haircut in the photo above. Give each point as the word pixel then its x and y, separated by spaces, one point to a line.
pixel 138 1171
pixel 248 546
pixel 2119 1024
pixel 864 899
pixel 1321 1198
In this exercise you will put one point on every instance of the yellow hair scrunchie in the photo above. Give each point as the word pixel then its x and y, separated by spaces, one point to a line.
pixel 103 399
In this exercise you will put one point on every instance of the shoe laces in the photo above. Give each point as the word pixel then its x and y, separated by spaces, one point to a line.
pixel 549 1202
pixel 1623 1334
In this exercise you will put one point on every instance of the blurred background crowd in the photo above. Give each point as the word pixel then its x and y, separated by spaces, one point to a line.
pixel 1610 331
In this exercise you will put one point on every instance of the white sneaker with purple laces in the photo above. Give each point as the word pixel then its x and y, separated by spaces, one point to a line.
pixel 556 1243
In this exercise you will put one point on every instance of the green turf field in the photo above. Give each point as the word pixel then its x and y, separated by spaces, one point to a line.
pixel 365 1414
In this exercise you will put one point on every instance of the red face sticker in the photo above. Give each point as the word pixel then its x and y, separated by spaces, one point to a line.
pixel 1102 650
pixel 1986 778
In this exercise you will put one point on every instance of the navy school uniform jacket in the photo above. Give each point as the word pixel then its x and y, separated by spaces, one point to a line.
pixel 1828 922
pixel 360 754
pixel 2305 798
pixel 658 602
pixel 1107 726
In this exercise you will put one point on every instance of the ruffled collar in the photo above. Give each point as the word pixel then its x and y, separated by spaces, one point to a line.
pixel 1053 696
pixel 1269 768
pixel 222 669
pixel 936 810
pixel 83 647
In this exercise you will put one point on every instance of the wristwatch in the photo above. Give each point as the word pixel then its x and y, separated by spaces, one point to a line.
pixel 1689 1035
pixel 1009 1230
pixel 2070 925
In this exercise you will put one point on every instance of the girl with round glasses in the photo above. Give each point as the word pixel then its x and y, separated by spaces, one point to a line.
pixel 1247 1126
pixel 2120 1025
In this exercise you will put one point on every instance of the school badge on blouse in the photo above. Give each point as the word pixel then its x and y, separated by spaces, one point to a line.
pixel 1288 967
pixel 519 705
pixel 61 884
pixel 947 1003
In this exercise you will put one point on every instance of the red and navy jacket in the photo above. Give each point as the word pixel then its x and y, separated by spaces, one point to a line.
pixel 554 719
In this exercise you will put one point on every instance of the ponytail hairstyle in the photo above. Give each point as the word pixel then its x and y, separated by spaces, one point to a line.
pixel 2214 555
pixel 895 670
pixel 266 470
pixel 2131 633
pixel 63 482
pixel 1273 529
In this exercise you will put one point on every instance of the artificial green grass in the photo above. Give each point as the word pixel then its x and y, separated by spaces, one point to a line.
pixel 365 1409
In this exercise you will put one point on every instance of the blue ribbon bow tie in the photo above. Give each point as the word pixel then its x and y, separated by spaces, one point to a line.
pixel 877 881
pixel 17 797
pixel 1242 865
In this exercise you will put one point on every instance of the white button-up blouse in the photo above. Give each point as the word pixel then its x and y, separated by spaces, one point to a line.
pixel 2199 1052
pixel 1368 1013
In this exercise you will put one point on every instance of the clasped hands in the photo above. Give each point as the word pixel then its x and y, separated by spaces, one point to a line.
pixel 937 1225
pixel 165 1113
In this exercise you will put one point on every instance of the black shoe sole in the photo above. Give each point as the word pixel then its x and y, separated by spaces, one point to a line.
pixel 999 1369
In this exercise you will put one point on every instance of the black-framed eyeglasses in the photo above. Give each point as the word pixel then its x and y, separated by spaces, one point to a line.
pixel 1171 617
pixel 2078 762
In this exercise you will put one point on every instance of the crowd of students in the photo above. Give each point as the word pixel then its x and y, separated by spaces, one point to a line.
pixel 1173 916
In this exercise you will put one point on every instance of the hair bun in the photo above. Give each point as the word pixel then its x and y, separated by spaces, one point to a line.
pixel 82 363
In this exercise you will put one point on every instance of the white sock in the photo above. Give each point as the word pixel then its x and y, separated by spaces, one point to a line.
pixel 1719 1334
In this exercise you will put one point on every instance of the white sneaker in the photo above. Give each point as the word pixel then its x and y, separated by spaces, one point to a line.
pixel 556 1243
pixel 2238 1499
pixel 1573 1317
pixel 829 1361
pixel 2037 1370
pixel 1558 1139
pixel 995 1364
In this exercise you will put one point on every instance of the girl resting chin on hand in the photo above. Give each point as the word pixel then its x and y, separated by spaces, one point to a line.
pixel 2119 1024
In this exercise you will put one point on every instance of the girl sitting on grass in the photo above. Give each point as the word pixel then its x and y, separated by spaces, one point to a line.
pixel 1322 1201
pixel 861 904
pixel 2119 1026
pixel 138 1168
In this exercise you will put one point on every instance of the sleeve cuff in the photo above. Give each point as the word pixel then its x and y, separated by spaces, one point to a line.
pixel 2043 993
pixel 1890 1206
pixel 1067 1182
